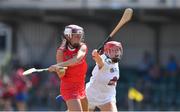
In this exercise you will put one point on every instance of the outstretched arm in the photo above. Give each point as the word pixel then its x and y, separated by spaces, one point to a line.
pixel 97 58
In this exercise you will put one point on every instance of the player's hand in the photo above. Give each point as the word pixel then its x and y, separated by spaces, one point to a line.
pixel 97 58
pixel 60 72
pixel 53 68
pixel 95 53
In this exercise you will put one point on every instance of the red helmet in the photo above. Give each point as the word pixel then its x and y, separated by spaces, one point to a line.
pixel 113 50
pixel 73 29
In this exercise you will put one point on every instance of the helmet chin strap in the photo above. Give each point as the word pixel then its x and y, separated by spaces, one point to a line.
pixel 70 45
pixel 113 60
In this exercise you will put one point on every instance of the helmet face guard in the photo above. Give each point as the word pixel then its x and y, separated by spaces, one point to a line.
pixel 113 50
pixel 70 31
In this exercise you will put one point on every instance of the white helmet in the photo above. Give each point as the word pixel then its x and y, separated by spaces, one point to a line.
pixel 73 29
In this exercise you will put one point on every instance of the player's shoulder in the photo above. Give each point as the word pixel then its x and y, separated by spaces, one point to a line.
pixel 103 56
pixel 106 60
pixel 61 49
pixel 83 46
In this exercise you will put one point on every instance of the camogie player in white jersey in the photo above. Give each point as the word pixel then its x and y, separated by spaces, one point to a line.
pixel 101 89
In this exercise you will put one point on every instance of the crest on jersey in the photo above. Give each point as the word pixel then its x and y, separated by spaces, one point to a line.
pixel 111 70
pixel 68 57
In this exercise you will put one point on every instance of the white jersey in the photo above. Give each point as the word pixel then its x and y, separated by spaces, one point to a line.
pixel 102 86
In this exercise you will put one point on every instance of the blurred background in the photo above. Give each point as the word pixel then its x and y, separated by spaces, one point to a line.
pixel 31 30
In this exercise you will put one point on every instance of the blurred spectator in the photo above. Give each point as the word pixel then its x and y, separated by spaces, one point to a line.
pixel 53 81
pixel 146 63
pixel 154 74
pixel 53 84
pixel 1 89
pixel 22 84
pixel 7 95
pixel 172 66
pixel 1 82
pixel 35 80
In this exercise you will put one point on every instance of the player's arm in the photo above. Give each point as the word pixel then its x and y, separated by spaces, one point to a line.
pixel 76 59
pixel 97 58
pixel 59 58
pixel 73 61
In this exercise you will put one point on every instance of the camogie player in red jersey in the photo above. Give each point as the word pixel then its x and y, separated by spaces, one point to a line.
pixel 72 54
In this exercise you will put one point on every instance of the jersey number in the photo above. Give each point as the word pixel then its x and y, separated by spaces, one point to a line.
pixel 113 81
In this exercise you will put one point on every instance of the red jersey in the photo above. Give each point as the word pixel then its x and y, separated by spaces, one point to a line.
pixel 75 73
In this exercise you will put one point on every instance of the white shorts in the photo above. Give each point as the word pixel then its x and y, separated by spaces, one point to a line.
pixel 92 106
pixel 94 100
